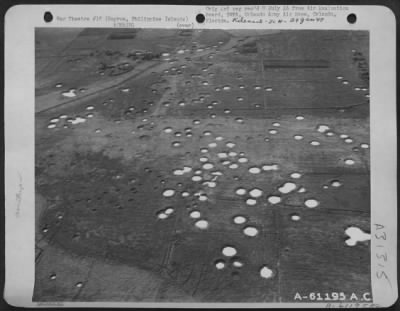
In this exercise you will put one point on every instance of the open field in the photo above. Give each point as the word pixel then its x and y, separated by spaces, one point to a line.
pixel 201 166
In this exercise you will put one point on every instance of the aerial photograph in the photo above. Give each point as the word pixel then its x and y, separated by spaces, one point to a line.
pixel 194 166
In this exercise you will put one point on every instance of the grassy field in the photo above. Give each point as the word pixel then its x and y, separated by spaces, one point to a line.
pixel 141 177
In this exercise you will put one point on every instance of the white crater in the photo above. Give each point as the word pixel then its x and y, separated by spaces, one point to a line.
pixel 271 167
pixel 250 231
pixel 356 235
pixel 69 94
pixel 254 170
pixel 241 191
pixel 274 199
pixel 201 224
pixel 222 155
pixel 168 193
pixel 208 166
pixel 251 202
pixel 229 251
pixel 239 220
pixel 266 272
pixel 311 203
pixel 197 178
pixel 322 128
pixel 195 214
pixel 349 162
pixel 295 175
pixel 287 187
pixel 255 193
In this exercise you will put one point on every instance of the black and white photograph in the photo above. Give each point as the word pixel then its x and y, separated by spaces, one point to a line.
pixel 180 165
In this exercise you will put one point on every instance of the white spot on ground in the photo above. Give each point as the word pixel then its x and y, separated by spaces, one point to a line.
pixel 195 214
pixel 169 211
pixel 255 193
pixel 251 202
pixel 77 120
pixel 322 128
pixel 349 162
pixel 273 132
pixel 356 235
pixel 222 155
pixel 274 199
pixel 336 183
pixel 208 166
pixel 364 146
pixel 168 193
pixel 299 118
pixel 219 265
pixel 212 145
pixel 187 169
pixel 250 231
pixel 272 167
pixel 239 220
pixel 266 272
pixel 185 194
pixel 51 126
pixel 241 191
pixel 229 251
pixel 295 217
pixel 230 144
pixel 295 175
pixel 70 93
pixel 298 137
pixel 197 178
pixel 311 203
pixel 315 143
pixel 162 216
pixel 243 160
pixel 233 166
pixel 237 264
pixel 254 170
pixel 287 187
pixel 201 224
